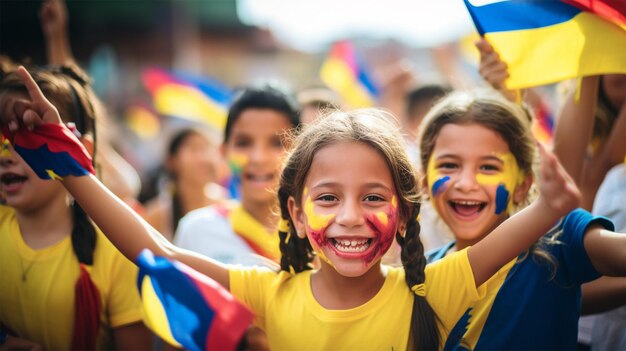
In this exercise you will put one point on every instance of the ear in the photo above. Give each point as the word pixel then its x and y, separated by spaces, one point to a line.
pixel 297 217
pixel 522 190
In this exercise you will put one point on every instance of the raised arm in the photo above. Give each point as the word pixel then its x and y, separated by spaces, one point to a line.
pixel 54 24
pixel 126 230
pixel 572 133
pixel 558 196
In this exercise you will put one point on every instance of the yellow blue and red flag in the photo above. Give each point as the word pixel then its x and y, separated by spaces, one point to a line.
pixel 188 309
pixel 51 150
pixel 344 72
pixel 544 42
pixel 187 96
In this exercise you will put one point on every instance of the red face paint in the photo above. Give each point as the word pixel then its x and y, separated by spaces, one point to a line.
pixel 385 232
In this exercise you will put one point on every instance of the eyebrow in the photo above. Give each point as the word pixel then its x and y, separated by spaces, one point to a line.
pixel 370 185
pixel 486 158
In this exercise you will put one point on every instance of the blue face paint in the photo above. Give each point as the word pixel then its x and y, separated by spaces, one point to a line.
pixel 502 198
pixel 437 187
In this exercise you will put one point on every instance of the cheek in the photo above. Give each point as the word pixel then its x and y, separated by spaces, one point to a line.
pixel 437 183
pixel 439 186
pixel 502 199
pixel 236 162
pixel 385 225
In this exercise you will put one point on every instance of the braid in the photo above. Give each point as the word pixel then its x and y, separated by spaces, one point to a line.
pixel 423 319
pixel 86 297
pixel 296 253
pixel 83 236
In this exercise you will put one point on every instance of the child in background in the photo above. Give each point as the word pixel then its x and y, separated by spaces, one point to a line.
pixel 191 165
pixel 346 191
pixel 478 151
pixel 254 142
pixel 62 284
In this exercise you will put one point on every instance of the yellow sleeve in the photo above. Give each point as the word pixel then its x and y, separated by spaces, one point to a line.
pixel 123 303
pixel 450 287
pixel 253 287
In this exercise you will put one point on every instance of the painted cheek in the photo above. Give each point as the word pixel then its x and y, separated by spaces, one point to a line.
pixel 507 181
pixel 236 163
pixel 385 225
pixel 317 225
pixel 436 182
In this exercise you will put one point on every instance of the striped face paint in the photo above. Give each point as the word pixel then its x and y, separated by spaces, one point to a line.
pixel 385 225
pixel 437 183
pixel 317 225
pixel 236 162
pixel 507 180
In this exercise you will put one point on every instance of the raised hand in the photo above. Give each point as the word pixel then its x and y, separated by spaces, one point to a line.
pixel 53 17
pixel 557 190
pixel 22 113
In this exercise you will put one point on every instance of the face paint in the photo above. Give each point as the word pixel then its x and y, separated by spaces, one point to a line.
pixel 385 225
pixel 6 151
pixel 507 181
pixel 236 162
pixel 317 225
pixel 436 182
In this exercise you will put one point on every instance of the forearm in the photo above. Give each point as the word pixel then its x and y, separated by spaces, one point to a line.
pixel 509 239
pixel 573 129
pixel 58 48
pixel 603 294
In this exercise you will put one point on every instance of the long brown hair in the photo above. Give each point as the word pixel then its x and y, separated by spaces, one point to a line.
pixel 373 128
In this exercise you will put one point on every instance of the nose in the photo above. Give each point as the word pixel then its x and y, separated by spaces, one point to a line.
pixel 259 153
pixel 466 180
pixel 350 214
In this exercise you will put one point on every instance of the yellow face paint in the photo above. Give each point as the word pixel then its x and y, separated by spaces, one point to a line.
pixel 435 180
pixel 316 222
pixel 237 162
pixel 510 178
pixel 6 151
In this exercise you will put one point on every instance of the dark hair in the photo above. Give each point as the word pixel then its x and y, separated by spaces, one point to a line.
pixel 373 128
pixel 67 88
pixel 425 94
pixel 173 147
pixel 265 96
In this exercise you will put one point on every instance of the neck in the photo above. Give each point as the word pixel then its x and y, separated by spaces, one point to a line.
pixel 47 225
pixel 191 196
pixel 262 212
pixel 334 291
pixel 461 243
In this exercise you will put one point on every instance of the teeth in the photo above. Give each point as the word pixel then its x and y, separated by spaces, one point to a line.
pixel 354 245
pixel 468 203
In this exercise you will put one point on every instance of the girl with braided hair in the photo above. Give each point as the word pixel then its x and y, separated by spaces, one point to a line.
pixel 346 191
pixel 63 285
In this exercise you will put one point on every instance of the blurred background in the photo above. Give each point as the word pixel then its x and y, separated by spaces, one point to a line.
pixel 131 47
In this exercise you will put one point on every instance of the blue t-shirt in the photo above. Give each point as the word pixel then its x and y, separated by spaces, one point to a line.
pixel 526 307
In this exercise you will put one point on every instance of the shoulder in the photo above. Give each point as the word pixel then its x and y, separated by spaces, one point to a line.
pixel 6 213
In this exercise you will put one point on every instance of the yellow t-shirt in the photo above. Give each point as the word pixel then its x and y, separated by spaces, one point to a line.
pixel 287 310
pixel 41 308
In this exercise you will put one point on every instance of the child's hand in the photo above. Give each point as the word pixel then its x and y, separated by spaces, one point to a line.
pixel 21 113
pixel 557 191
pixel 491 67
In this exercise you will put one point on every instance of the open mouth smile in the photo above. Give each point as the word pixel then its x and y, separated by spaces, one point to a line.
pixel 467 208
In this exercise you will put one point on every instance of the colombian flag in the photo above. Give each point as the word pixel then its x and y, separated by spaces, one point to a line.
pixel 544 42
pixel 187 96
pixel 345 73
pixel 188 309
pixel 52 151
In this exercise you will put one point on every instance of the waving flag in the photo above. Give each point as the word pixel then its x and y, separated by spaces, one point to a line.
pixel 187 96
pixel 544 42
pixel 345 73
pixel 52 151
pixel 188 309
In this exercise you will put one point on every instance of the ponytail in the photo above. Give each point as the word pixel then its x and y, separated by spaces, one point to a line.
pixel 87 304
pixel 424 332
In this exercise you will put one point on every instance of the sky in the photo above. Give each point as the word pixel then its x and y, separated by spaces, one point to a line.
pixel 310 25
